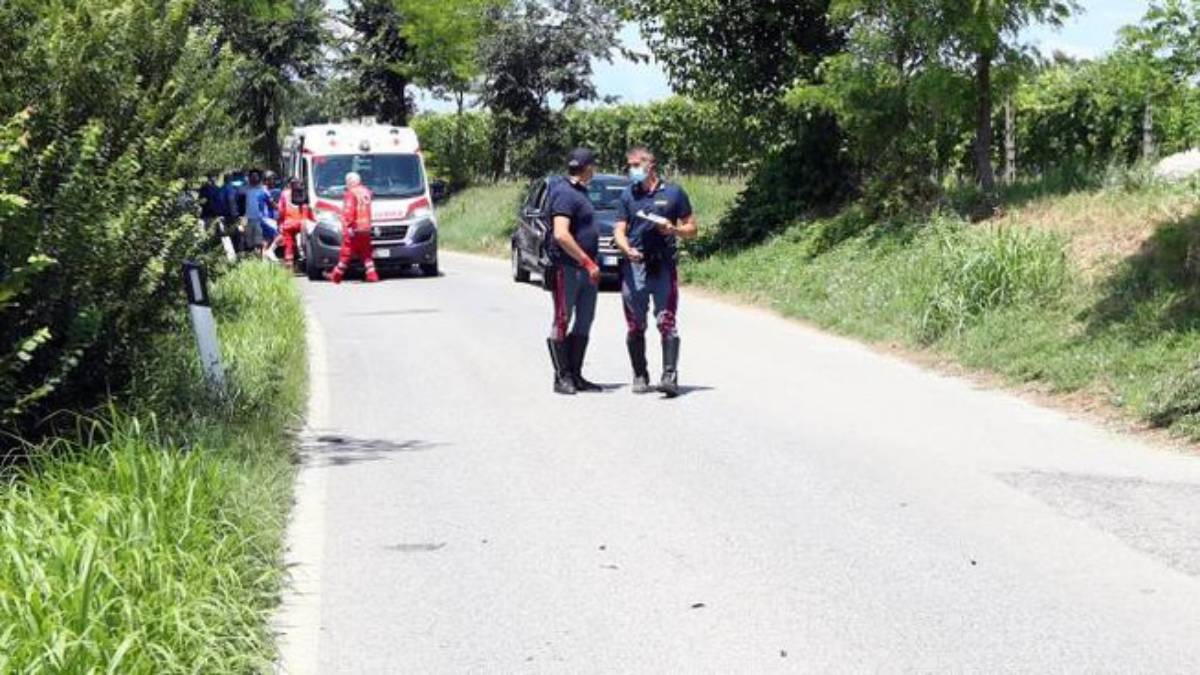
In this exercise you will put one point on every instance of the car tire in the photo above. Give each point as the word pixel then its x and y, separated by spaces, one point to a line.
pixel 519 273
pixel 311 268
pixel 430 270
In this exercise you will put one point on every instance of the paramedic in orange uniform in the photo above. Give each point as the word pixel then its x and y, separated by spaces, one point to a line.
pixel 293 212
pixel 356 235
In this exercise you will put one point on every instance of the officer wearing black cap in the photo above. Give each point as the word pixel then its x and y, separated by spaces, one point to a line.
pixel 575 277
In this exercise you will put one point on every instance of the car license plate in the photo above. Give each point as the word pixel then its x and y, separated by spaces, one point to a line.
pixel 610 261
pixel 383 253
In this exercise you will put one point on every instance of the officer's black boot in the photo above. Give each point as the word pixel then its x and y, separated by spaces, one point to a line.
pixel 578 344
pixel 670 376
pixel 637 357
pixel 563 384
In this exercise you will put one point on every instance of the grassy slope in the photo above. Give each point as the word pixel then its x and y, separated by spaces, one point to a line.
pixel 1085 293
pixel 1093 292
pixel 155 546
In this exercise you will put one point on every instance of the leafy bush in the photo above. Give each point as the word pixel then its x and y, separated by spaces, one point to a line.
pixel 456 148
pixel 117 105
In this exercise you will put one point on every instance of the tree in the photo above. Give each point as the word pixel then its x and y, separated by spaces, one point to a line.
pixel 896 96
pixel 446 42
pixel 744 52
pixel 1159 56
pixel 535 54
pixel 983 31
pixel 379 61
pixel 280 43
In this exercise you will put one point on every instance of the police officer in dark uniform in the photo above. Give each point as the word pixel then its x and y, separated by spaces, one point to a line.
pixel 575 278
pixel 652 215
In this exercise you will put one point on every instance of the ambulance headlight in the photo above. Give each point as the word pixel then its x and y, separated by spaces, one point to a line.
pixel 423 230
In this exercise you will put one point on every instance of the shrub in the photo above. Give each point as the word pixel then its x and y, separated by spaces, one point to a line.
pixel 807 176
pixel 118 106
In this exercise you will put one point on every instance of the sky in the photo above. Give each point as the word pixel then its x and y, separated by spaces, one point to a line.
pixel 1088 35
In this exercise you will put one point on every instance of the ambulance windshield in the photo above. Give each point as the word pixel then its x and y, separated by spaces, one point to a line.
pixel 388 176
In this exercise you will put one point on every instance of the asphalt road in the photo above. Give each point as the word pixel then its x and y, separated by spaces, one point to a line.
pixel 809 505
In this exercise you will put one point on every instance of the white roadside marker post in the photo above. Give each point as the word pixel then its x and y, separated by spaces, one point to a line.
pixel 195 282
pixel 227 245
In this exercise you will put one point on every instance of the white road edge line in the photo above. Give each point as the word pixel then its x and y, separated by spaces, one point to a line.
pixel 297 621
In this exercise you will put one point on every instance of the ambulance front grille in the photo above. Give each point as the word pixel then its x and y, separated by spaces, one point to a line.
pixel 389 232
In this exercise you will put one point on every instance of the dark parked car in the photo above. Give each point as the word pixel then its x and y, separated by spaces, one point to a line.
pixel 529 253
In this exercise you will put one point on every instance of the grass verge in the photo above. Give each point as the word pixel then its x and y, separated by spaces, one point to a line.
pixel 152 542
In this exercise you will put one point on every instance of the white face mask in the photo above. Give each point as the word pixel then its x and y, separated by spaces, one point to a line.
pixel 638 174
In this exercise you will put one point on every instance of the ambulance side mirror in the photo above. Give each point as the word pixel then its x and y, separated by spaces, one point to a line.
pixel 439 190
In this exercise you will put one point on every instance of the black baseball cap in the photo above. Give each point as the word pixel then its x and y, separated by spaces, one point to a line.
pixel 580 158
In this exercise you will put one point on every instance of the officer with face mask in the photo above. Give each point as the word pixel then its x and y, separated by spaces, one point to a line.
pixel 652 216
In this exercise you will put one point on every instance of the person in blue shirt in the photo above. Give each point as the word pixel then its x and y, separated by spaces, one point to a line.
pixel 270 221
pixel 258 207
pixel 575 277
pixel 652 216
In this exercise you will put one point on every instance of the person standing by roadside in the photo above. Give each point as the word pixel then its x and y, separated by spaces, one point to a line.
pixel 575 279
pixel 210 205
pixel 257 209
pixel 229 209
pixel 652 216
pixel 356 233
pixel 270 221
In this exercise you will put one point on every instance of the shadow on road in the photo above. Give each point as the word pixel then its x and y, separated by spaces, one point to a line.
pixel 335 450
pixel 685 390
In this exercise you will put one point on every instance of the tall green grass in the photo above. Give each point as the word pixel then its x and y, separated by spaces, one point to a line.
pixel 151 543
pixel 959 274
pixel 481 219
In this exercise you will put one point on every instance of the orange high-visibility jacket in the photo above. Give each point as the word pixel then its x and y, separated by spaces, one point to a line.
pixel 356 209
pixel 292 214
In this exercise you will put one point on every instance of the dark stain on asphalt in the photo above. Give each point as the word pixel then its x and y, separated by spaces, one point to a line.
pixel 699 605
pixel 609 567
pixel 416 548
pixel 335 450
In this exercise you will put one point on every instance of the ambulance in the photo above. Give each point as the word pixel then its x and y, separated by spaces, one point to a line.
pixel 404 226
